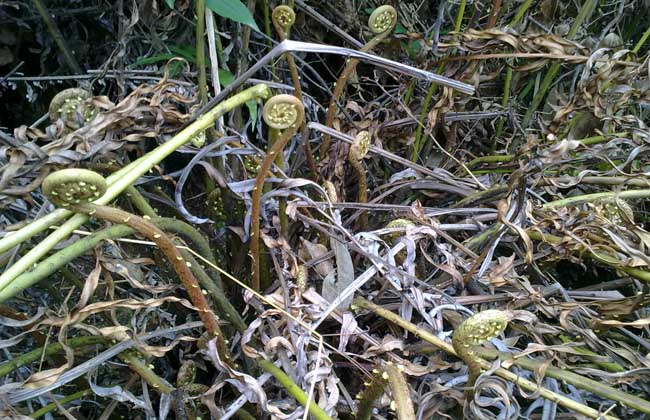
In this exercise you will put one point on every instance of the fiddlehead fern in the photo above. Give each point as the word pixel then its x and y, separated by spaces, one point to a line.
pixel 283 18
pixel 382 19
pixel 358 150
pixel 381 22
pixel 398 223
pixel 75 189
pixel 281 112
pixel 476 330
pixel 70 106
pixel 73 186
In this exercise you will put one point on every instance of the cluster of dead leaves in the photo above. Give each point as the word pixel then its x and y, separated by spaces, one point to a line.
pixel 149 112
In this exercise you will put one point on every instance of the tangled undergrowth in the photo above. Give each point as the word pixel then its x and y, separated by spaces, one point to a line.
pixel 411 211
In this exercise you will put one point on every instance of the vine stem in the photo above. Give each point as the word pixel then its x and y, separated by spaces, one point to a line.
pixel 199 6
pixel 53 29
pixel 576 380
pixel 275 150
pixel 60 402
pixel 641 41
pixel 49 350
pixel 350 66
pixel 117 183
pixel 137 364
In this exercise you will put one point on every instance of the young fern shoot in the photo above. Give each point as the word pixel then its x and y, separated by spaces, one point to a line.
pixel 76 189
pixel 283 18
pixel 70 105
pixel 285 113
pixel 358 150
pixel 475 330
pixel 381 22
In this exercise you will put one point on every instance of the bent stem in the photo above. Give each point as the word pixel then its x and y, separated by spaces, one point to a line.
pixel 281 112
pixel 58 260
pixel 587 198
pixel 76 188
pixel 381 22
pixel 117 182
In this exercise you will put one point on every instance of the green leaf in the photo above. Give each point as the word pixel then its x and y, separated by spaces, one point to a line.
pixel 233 9
pixel 188 53
pixel 153 59
pixel 225 77
pixel 400 29
pixel 413 48
pixel 252 109
pixel 170 3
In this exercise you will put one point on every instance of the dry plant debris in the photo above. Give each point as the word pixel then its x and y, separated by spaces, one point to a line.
pixel 297 223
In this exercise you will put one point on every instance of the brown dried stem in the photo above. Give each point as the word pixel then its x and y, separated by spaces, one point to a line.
pixel 373 389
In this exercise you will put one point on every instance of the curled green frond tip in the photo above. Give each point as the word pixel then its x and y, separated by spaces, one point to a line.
pixel 199 139
pixel 283 111
pixel 382 19
pixel 284 17
pixel 73 186
pixel 481 327
pixel 475 330
pixel 66 103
